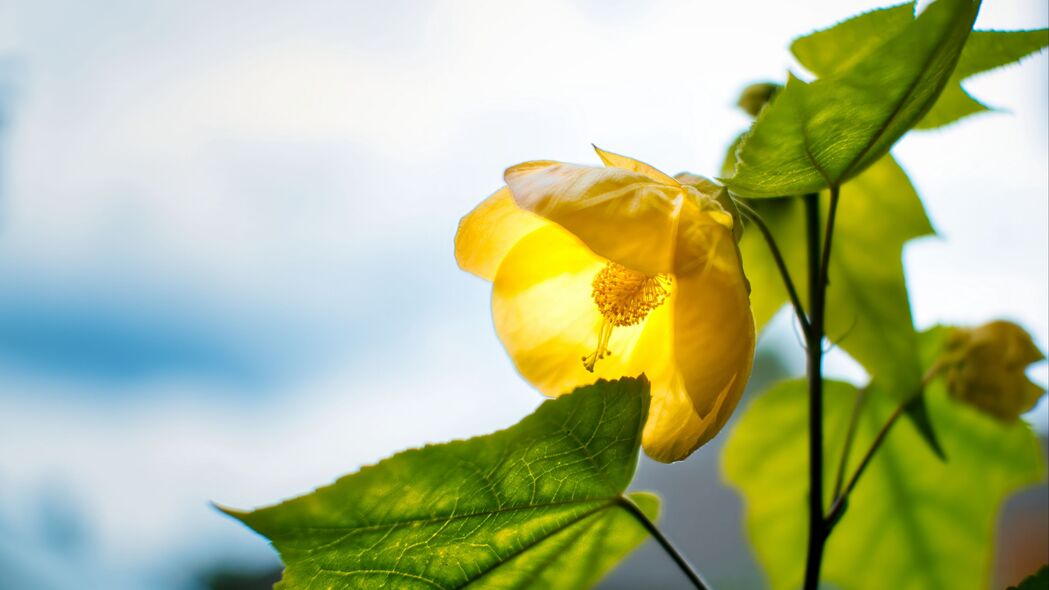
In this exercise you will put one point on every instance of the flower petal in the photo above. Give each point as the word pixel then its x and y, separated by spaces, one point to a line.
pixel 545 315
pixel 713 335
pixel 621 215
pixel 729 215
pixel 488 232
pixel 712 350
pixel 674 430
pixel 704 237
pixel 627 163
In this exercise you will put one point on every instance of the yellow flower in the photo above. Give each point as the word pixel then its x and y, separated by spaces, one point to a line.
pixel 617 271
pixel 985 366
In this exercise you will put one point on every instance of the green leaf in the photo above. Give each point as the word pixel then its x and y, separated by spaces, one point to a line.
pixel 821 134
pixel 827 52
pixel 538 505
pixel 912 522
pixel 835 49
pixel 1036 581
pixel 989 50
pixel 985 50
pixel 868 310
pixel 954 104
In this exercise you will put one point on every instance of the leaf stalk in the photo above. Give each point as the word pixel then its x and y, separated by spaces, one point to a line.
pixel 781 264
pixel 682 563
pixel 841 494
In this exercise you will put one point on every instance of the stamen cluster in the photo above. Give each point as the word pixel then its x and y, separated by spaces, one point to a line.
pixel 625 297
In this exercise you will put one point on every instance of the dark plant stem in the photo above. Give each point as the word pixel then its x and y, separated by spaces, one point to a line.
pixel 781 264
pixel 657 534
pixel 814 354
pixel 832 213
pixel 818 264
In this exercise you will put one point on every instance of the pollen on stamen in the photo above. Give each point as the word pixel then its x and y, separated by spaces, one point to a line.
pixel 625 298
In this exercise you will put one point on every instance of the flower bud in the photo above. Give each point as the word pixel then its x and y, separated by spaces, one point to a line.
pixel 756 96
pixel 985 366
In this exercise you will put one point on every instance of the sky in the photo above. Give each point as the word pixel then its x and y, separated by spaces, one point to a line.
pixel 226 228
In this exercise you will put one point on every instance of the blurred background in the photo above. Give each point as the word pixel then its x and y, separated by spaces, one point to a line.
pixel 226 268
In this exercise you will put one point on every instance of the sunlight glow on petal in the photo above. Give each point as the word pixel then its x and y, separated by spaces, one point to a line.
pixel 613 160
pixel 619 271
pixel 488 232
pixel 623 216
pixel 546 318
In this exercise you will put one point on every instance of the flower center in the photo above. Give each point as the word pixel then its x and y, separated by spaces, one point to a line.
pixel 624 297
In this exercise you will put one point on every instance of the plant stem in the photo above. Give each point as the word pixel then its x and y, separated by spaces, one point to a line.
pixel 781 264
pixel 653 530
pixel 832 213
pixel 818 268
pixel 814 354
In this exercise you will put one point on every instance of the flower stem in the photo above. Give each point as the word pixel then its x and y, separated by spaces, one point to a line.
pixel 777 256
pixel 814 354
pixel 818 266
pixel 664 542
pixel 832 213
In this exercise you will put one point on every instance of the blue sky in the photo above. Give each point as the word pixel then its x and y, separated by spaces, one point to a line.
pixel 225 233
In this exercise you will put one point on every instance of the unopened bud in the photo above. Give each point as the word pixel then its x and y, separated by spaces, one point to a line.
pixel 985 366
pixel 756 96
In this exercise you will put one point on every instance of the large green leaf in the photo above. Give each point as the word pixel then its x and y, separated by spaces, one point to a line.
pixel 912 521
pixel 868 310
pixel 821 134
pixel 538 505
pixel 832 50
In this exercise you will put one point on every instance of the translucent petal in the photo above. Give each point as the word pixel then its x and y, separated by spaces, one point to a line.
pixel 703 228
pixel 714 336
pixel 488 232
pixel 621 215
pixel 713 353
pixel 627 163
pixel 674 430
pixel 547 320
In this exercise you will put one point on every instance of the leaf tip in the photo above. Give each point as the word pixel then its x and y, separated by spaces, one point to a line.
pixel 230 511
